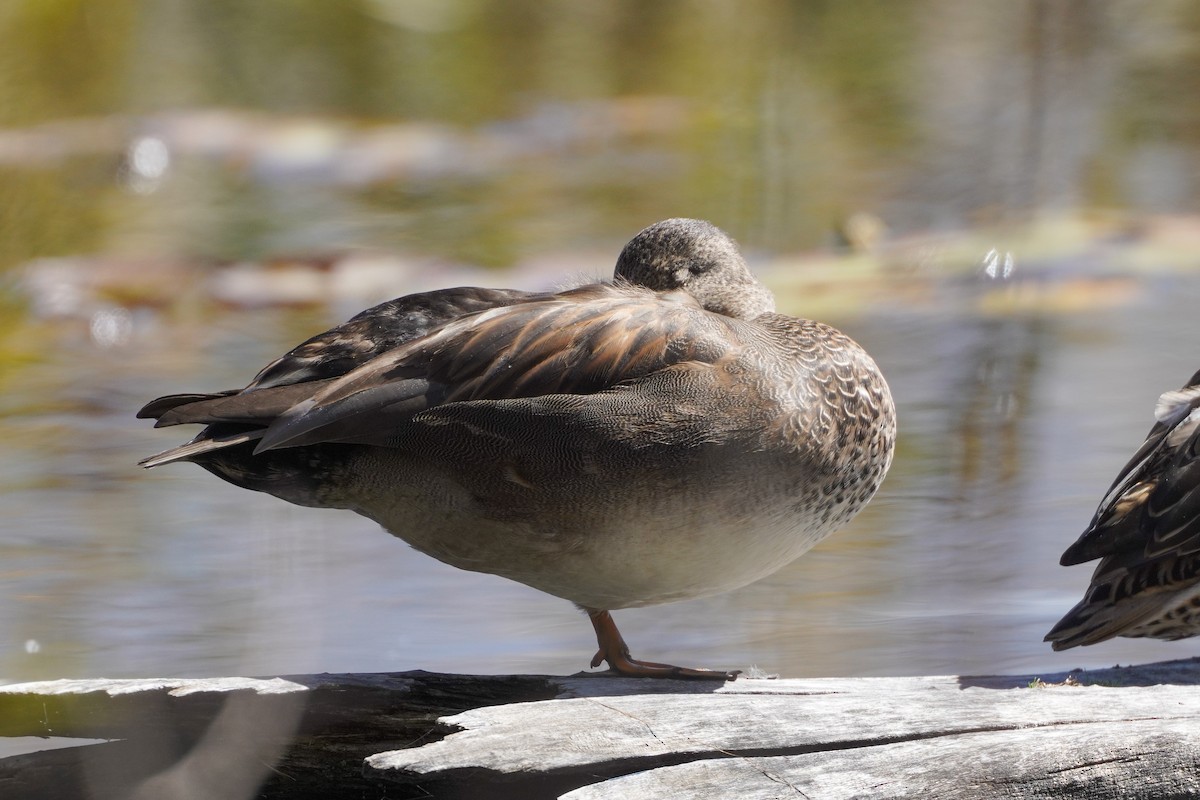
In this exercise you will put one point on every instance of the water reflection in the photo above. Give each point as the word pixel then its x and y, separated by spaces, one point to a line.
pixel 171 174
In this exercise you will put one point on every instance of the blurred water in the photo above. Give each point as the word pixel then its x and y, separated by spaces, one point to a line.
pixel 162 164
pixel 1012 425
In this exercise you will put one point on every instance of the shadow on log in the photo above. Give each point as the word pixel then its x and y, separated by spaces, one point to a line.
pixel 1127 732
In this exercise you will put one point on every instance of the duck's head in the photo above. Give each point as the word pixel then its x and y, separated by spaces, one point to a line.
pixel 699 258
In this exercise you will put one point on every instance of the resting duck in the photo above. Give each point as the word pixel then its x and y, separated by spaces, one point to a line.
pixel 1146 534
pixel 660 437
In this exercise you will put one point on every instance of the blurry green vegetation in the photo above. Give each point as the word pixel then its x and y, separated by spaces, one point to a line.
pixel 799 113
pixel 1164 79
pixel 53 212
pixel 465 61
pixel 64 58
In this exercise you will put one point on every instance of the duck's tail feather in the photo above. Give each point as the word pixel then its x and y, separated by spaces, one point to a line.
pixel 200 446
pixel 1093 621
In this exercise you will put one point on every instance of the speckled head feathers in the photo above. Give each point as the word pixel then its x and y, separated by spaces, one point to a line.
pixel 700 258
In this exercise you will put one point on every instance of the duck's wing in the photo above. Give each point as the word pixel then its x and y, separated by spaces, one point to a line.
pixel 156 408
pixel 1153 506
pixel 240 415
pixel 377 330
pixel 338 350
pixel 241 406
pixel 578 342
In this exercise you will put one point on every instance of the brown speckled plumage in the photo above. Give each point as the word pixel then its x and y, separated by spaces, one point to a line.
pixel 661 437
pixel 1146 534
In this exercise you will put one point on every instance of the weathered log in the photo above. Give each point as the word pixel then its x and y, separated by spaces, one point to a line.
pixel 1128 732
pixel 296 737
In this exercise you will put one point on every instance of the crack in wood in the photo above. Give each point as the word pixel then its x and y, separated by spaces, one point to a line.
pixel 1101 762
pixel 521 740
pixel 748 760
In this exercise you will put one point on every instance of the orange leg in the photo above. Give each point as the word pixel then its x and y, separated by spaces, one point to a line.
pixel 614 650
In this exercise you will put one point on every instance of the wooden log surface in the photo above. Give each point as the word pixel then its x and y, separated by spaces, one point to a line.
pixel 1120 732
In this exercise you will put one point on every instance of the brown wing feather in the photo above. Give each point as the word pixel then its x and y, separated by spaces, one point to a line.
pixel 1153 507
pixel 377 330
pixel 578 342
pixel 155 409
pixel 238 415
pixel 253 406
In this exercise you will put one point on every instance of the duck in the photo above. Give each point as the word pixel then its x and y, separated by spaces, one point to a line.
pixel 1146 534
pixel 661 436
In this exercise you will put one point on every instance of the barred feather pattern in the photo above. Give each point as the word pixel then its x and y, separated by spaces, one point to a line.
pixel 1146 535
